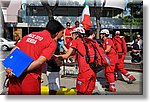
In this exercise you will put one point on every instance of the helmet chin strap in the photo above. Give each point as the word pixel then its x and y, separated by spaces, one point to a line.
pixel 102 38
pixel 76 37
pixel 79 35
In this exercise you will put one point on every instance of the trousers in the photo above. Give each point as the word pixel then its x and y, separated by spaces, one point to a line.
pixel 26 84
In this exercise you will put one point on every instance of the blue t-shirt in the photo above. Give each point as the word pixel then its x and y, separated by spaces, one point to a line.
pixel 60 44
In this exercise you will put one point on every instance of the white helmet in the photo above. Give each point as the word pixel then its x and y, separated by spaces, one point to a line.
pixel 105 31
pixel 117 32
pixel 78 30
pixel 138 36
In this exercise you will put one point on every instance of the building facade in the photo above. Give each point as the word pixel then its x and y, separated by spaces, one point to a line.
pixel 30 15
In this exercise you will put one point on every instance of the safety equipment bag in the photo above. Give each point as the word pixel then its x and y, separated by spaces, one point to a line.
pixel 95 55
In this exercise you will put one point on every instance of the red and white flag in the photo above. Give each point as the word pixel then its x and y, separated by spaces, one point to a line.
pixel 86 21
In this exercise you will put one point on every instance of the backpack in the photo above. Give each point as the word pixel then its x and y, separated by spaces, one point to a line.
pixel 123 45
pixel 95 55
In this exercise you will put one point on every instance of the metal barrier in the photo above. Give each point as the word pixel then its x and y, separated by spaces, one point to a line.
pixel 70 68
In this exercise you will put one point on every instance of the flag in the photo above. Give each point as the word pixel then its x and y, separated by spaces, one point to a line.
pixel 86 21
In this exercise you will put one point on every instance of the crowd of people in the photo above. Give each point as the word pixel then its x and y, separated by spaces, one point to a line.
pixel 56 43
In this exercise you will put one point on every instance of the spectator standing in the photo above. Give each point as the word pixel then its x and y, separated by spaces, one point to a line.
pixel 76 24
pixel 40 46
pixel 62 47
pixel 135 54
pixel 140 42
pixel 68 35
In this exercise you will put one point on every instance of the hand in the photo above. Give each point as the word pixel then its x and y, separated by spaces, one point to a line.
pixel 59 57
pixel 8 72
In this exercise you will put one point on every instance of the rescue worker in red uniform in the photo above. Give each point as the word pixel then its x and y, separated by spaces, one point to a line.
pixel 86 78
pixel 40 46
pixel 76 25
pixel 108 46
pixel 121 49
pixel 67 35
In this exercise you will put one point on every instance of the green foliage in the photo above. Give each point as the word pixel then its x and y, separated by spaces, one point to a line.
pixel 134 21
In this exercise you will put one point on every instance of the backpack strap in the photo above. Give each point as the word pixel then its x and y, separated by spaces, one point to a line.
pixel 95 53
pixel 120 43
pixel 87 51
pixel 80 53
pixel 87 58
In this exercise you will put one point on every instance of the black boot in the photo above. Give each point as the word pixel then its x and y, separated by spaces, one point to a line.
pixel 131 81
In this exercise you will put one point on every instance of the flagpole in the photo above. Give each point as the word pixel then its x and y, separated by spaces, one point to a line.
pixel 97 20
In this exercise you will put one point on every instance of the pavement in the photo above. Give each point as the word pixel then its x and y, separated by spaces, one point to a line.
pixel 68 80
pixel 69 72
pixel 123 88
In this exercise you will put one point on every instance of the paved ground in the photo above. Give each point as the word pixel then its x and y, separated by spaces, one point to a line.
pixel 123 88
pixel 69 80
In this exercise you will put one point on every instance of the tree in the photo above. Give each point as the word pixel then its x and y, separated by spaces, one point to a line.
pixel 127 20
pixel 136 14
pixel 4 29
pixel 49 8
pixel 98 15
pixel 136 9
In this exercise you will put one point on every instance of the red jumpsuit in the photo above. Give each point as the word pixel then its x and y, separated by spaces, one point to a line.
pixel 35 45
pixel 86 78
pixel 119 43
pixel 109 70
pixel 68 37
pixel 120 46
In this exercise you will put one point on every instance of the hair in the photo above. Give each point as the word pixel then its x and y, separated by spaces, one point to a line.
pixel 104 34
pixel 76 22
pixel 68 23
pixel 89 32
pixel 135 40
pixel 92 31
pixel 53 26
